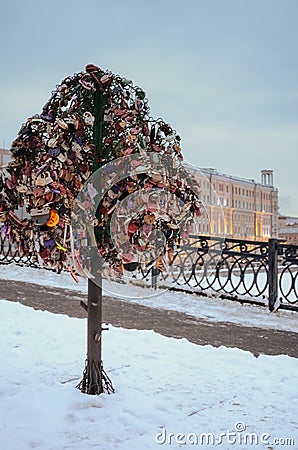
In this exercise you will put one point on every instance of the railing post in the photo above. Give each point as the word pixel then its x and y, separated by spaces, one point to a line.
pixel 272 273
pixel 154 275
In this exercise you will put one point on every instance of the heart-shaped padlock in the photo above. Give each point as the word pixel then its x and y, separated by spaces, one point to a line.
pixel 54 152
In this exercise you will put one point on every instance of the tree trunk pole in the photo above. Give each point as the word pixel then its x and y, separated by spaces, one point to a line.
pixel 94 331
pixel 94 321
pixel 94 327
pixel 95 380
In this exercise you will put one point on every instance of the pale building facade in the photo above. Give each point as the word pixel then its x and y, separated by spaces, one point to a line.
pixel 238 208
pixel 288 229
pixel 4 156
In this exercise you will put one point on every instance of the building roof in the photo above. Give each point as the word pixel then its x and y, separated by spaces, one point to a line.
pixel 288 230
pixel 211 171
pixel 292 221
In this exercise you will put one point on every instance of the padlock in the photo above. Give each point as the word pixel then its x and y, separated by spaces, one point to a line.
pixel 106 77
pixel 69 173
pixel 141 169
pixel 123 123
pixel 53 219
pixel 77 183
pixel 156 177
pixel 38 191
pixel 138 104
pixel 62 158
pixel 118 112
pixel 149 218
pixel 50 243
pixel 22 189
pixel 76 147
pixel 54 152
pixel 40 180
pixel 114 192
pixel 147 228
pixel 128 151
pixel 132 227
pixel 40 216
pixel 132 139
pixel 48 178
pixel 72 124
pixel 132 266
pixel 62 124
pixel 38 202
pixel 45 254
pixel 135 131
pixel 52 142
pixel 61 189
pixel 88 118
pixel 86 84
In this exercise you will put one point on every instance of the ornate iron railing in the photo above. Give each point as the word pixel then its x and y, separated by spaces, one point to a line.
pixel 288 273
pixel 256 271
pixel 261 272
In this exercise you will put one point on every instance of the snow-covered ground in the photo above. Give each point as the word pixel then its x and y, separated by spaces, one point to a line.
pixel 213 309
pixel 163 386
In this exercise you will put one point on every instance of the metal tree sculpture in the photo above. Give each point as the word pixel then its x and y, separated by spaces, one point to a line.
pixel 93 148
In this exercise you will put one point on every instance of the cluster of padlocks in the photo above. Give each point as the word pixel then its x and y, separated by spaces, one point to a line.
pixel 92 119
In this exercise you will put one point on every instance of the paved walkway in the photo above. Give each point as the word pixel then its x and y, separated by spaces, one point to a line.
pixel 169 323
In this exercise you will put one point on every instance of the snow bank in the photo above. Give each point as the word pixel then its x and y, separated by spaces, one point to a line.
pixel 162 386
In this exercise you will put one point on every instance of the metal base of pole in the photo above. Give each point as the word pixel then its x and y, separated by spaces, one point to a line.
pixel 95 380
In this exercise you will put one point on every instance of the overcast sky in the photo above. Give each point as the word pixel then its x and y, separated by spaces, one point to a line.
pixel 223 73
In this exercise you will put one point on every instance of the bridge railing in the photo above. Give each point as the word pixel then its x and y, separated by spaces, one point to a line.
pixel 265 272
pixel 261 272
